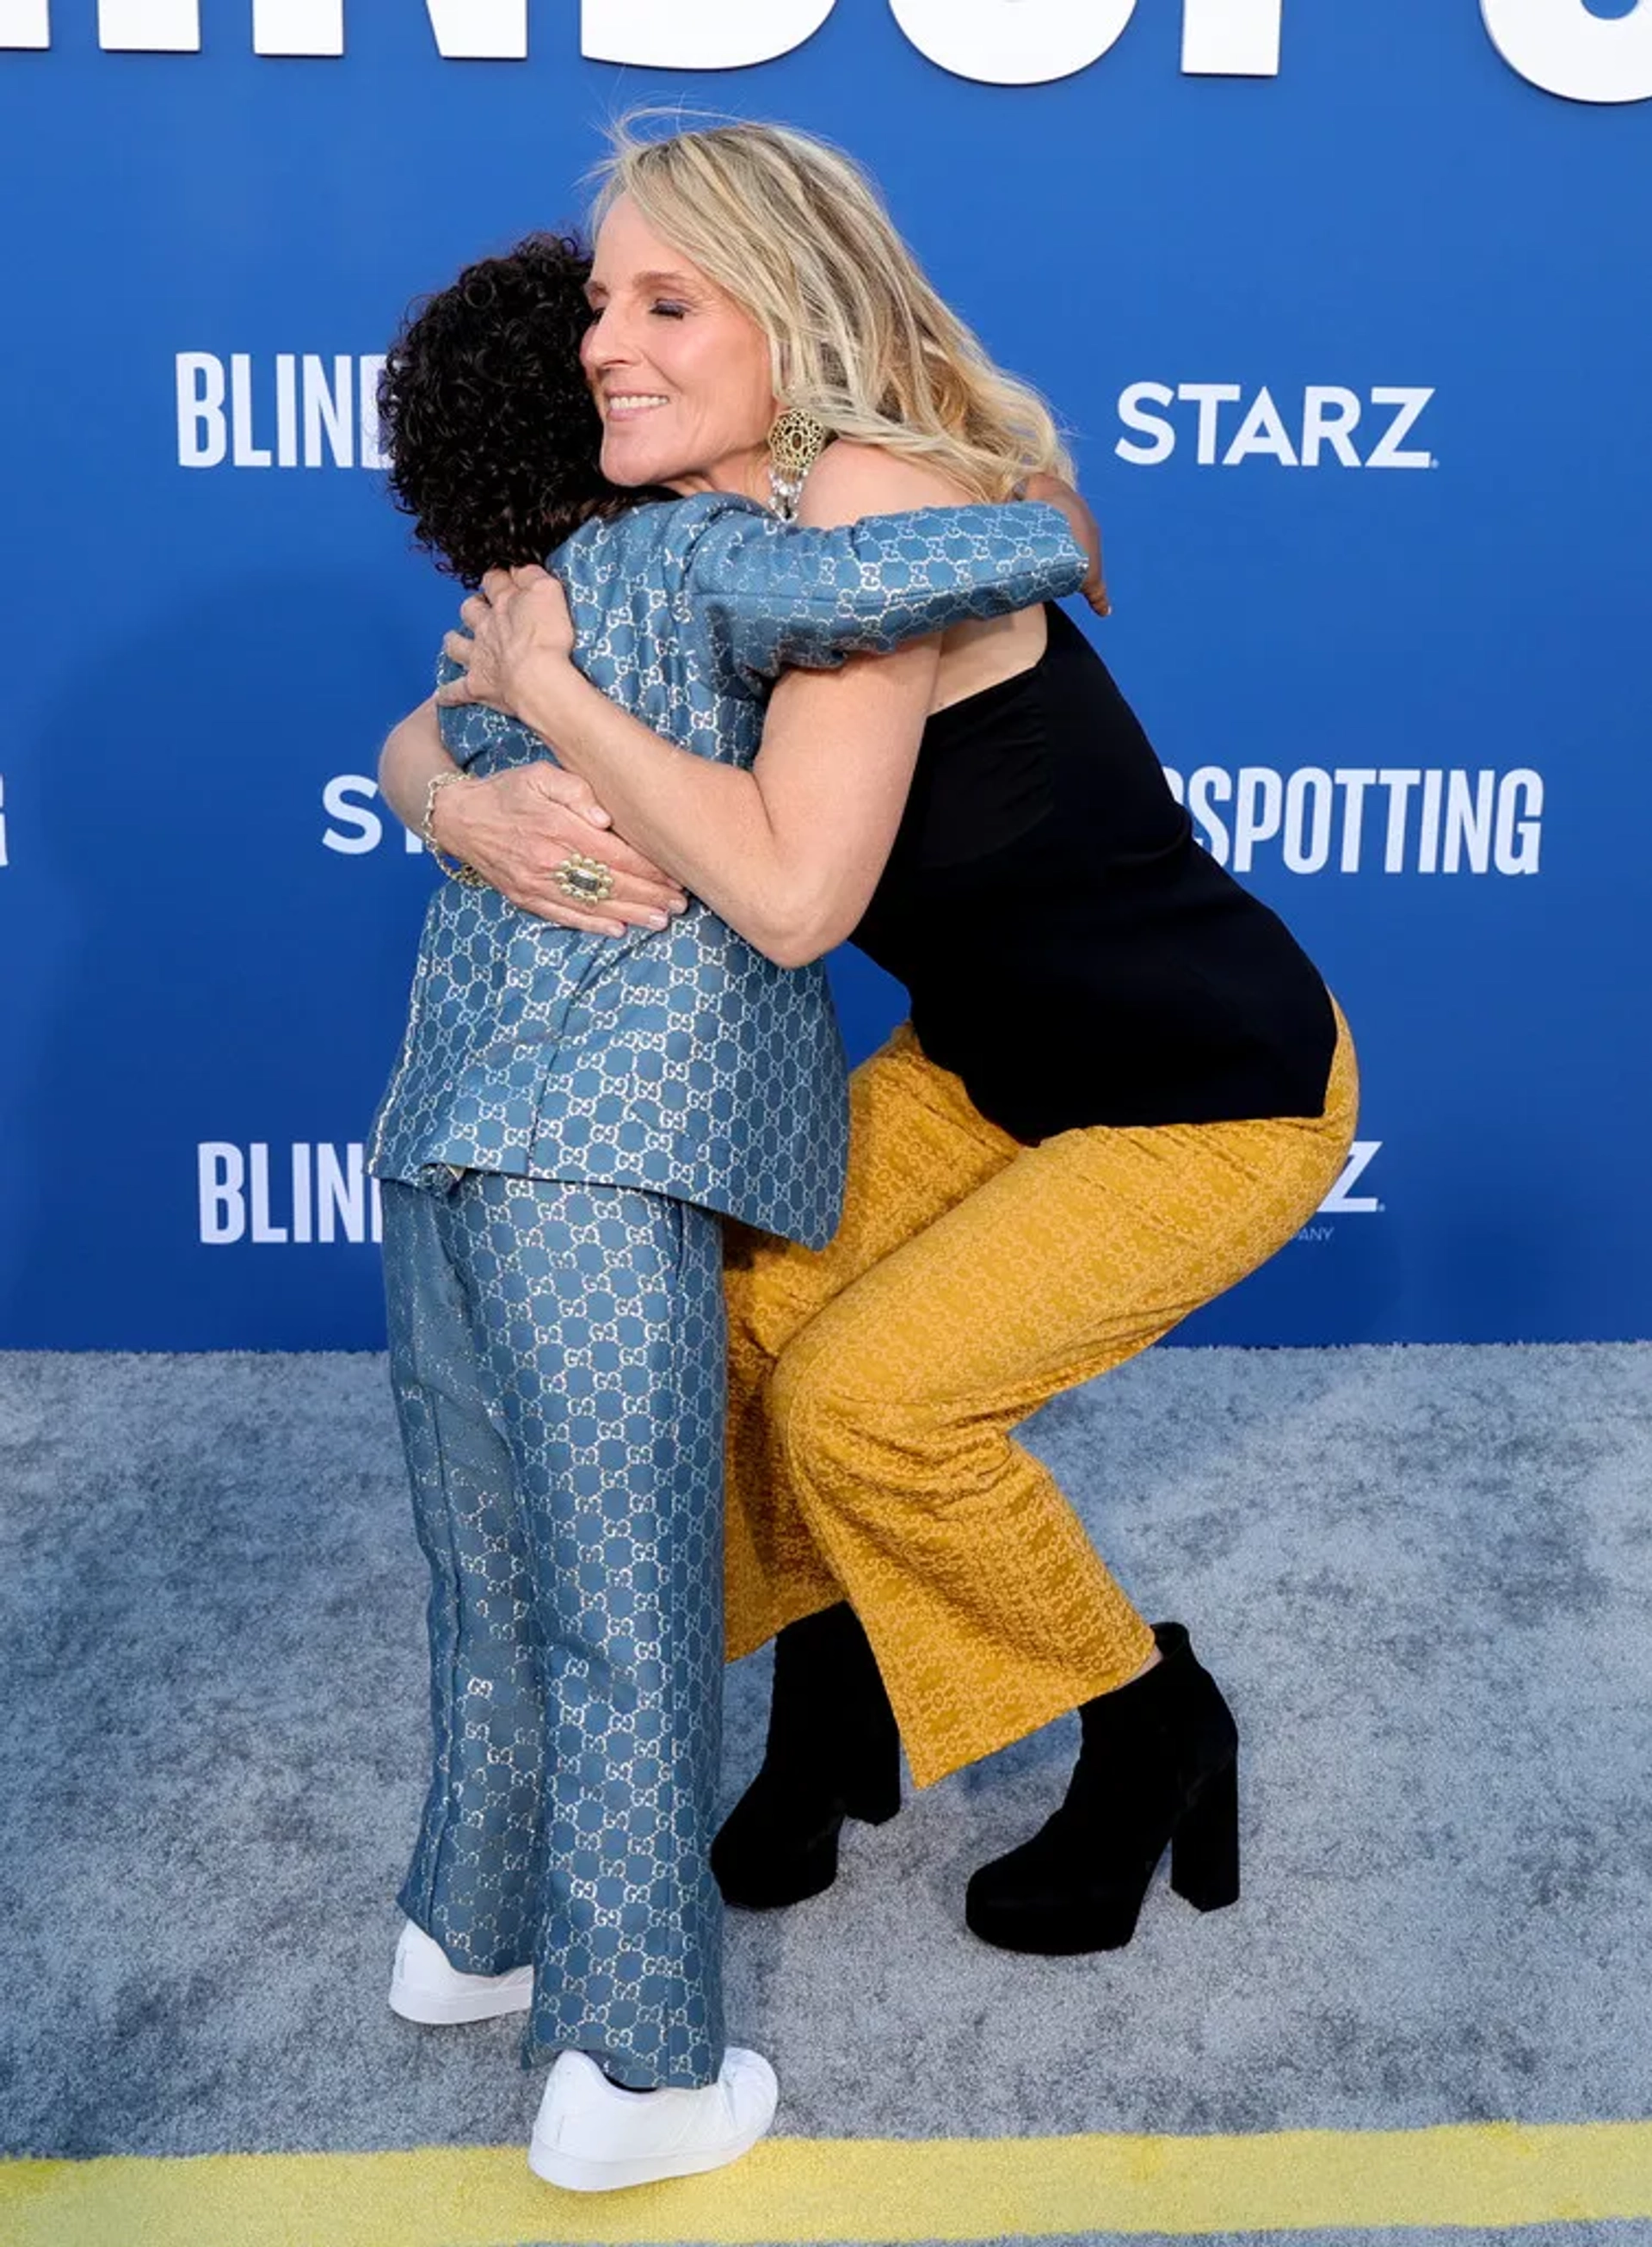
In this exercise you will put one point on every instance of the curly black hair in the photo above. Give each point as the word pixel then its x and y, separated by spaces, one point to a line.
pixel 493 435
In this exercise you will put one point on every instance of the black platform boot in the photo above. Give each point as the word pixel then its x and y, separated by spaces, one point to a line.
pixel 833 1753
pixel 1159 1766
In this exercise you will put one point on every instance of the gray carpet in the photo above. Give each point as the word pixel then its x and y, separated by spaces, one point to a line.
pixel 1422 1576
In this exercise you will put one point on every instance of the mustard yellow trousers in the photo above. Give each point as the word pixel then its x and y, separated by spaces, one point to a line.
pixel 874 1384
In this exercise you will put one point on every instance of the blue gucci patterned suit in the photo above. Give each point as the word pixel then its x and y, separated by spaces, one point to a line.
pixel 566 1115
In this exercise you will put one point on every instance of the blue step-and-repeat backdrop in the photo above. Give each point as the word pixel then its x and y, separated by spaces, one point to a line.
pixel 1348 309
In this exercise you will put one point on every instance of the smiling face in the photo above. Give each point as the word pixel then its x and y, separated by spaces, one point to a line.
pixel 680 373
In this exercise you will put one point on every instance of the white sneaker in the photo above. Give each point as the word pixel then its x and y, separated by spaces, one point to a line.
pixel 591 2136
pixel 424 1987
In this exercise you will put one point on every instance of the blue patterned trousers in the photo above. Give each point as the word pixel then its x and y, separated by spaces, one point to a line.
pixel 558 1358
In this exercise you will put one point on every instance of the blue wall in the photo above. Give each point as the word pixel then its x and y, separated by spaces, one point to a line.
pixel 203 960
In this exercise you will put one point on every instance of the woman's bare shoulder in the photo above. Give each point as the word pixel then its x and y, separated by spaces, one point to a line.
pixel 850 479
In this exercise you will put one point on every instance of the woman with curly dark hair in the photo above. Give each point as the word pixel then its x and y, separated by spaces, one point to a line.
pixel 572 1109
pixel 494 438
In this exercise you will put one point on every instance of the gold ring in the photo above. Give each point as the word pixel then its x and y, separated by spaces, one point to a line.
pixel 587 881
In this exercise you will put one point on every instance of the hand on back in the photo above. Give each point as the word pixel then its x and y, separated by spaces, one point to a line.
pixel 515 625
pixel 517 828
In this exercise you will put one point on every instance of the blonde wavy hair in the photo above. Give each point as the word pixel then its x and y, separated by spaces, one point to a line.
pixel 796 234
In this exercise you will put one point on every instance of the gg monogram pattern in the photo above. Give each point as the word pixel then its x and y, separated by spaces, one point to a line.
pixel 683 1064
pixel 557 1335
pixel 875 1389
pixel 557 1353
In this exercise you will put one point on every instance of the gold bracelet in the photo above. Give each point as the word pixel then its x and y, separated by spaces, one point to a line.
pixel 457 870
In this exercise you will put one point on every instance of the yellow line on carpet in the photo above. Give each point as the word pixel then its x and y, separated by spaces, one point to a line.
pixel 806 2190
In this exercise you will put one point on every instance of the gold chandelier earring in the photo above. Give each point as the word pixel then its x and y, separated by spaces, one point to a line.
pixel 796 442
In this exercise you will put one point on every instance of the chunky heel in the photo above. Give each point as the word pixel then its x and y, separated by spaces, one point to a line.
pixel 833 1753
pixel 1157 1771
pixel 1205 1848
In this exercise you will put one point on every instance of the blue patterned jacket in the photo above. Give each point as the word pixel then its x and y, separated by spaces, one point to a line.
pixel 683 1062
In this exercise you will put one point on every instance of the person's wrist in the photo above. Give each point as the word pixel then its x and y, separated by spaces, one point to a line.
pixel 443 835
pixel 450 812
pixel 551 694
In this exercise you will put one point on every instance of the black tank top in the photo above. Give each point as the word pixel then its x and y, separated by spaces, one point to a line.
pixel 1070 950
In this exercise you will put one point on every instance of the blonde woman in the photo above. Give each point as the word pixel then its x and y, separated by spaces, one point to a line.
pixel 1121 1089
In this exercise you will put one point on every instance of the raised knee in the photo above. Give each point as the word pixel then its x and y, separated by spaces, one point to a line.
pixel 808 1409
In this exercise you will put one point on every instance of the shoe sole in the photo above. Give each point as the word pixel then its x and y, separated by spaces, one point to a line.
pixel 433 2011
pixel 779 1895
pixel 780 1898
pixel 575 2174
